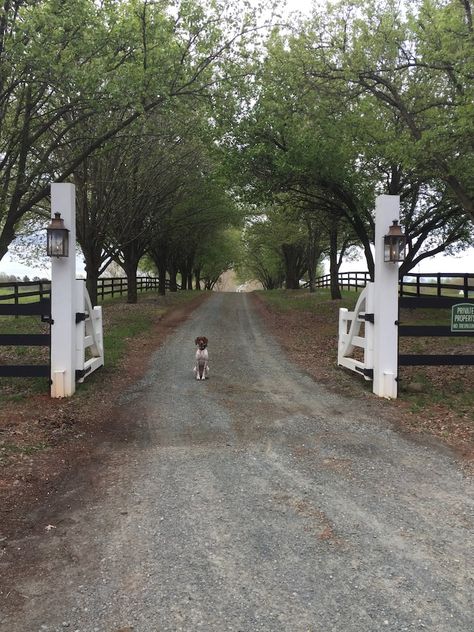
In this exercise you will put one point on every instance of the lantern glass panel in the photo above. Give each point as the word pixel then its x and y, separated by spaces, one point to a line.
pixel 387 249
pixel 394 248
pixel 401 242
pixel 58 242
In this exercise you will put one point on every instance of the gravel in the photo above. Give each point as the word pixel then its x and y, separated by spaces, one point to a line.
pixel 255 501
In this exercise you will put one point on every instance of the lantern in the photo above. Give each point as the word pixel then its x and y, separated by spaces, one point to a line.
pixel 394 244
pixel 57 238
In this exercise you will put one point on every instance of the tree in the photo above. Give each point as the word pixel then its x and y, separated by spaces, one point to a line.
pixel 144 193
pixel 219 254
pixel 261 260
pixel 419 69
pixel 332 124
pixel 107 64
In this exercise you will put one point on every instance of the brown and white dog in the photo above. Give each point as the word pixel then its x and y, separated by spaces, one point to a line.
pixel 201 368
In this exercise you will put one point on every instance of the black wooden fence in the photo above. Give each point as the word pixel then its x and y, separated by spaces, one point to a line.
pixel 116 286
pixel 16 291
pixel 433 331
pixel 438 284
pixel 13 303
pixel 346 280
pixel 40 308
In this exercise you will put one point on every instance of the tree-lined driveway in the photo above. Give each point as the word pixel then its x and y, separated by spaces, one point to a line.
pixel 254 501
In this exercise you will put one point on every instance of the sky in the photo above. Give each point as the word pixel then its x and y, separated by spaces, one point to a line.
pixel 438 263
pixel 430 265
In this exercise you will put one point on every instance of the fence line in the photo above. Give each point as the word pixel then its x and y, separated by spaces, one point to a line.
pixel 443 281
pixel 113 286
pixel 116 286
pixel 346 280
pixel 416 284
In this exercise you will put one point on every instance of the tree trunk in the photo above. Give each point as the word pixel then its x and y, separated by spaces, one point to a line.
pixel 190 280
pixel 333 263
pixel 162 279
pixel 92 279
pixel 159 254
pixel 130 265
pixel 197 276
pixel 6 237
pixel 312 254
pixel 173 282
pixel 132 294
pixel 290 256
pixel 92 274
pixel 311 279
pixel 184 280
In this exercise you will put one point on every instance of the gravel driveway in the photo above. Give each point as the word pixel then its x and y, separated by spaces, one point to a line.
pixel 255 501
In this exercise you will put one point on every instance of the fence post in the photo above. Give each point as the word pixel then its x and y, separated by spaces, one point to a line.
pixel 63 297
pixel 16 298
pixel 385 297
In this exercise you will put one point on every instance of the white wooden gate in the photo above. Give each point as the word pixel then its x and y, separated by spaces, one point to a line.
pixel 350 337
pixel 377 308
pixel 89 336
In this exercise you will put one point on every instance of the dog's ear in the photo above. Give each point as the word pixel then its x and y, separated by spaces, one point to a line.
pixel 205 340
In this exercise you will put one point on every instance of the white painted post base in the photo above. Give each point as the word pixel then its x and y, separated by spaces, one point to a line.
pixel 385 307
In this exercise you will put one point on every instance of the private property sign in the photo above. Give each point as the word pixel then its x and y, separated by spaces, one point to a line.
pixel 462 317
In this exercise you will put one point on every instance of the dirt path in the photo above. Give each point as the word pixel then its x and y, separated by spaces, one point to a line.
pixel 254 501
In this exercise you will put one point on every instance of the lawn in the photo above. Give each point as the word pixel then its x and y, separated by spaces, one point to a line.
pixel 122 322
pixel 439 399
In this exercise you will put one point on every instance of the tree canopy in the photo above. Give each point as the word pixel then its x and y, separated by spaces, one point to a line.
pixel 182 121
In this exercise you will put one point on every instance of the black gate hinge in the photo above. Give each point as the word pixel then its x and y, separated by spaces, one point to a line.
pixel 369 317
pixel 80 316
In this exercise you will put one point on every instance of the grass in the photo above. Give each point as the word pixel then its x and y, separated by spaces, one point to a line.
pixel 9 449
pixel 303 300
pixel 126 325
pixel 443 389
pixel 122 322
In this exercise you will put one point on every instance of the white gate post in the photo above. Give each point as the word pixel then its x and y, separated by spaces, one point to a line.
pixel 63 299
pixel 387 209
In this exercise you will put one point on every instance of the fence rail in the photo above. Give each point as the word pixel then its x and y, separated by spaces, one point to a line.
pixel 346 280
pixel 441 284
pixel 20 290
pixel 435 331
pixel 116 286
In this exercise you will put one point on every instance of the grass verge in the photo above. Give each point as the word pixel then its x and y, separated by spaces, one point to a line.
pixel 29 421
pixel 434 399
